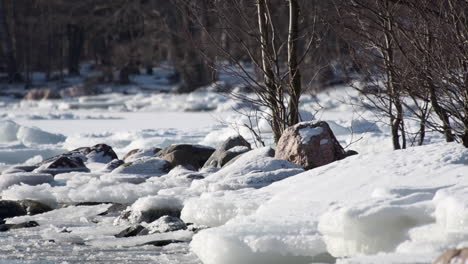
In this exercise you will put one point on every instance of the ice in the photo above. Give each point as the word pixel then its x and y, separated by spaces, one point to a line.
pixel 364 126
pixel 30 135
pixel 216 208
pixel 70 216
pixel 19 154
pixel 146 167
pixel 307 133
pixel 11 131
pixel 8 131
pixel 29 178
pixel 155 202
pixel 373 226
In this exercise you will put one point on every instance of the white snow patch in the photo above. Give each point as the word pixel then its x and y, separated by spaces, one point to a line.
pixel 307 133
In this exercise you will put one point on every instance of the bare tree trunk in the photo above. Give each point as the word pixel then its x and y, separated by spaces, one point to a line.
pixel 396 120
pixel 295 87
pixel 6 40
pixel 267 72
pixel 75 36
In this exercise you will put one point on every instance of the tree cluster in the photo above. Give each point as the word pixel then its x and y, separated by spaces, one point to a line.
pixel 414 52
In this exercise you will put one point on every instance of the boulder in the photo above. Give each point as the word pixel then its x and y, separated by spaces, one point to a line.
pixel 162 243
pixel 100 153
pixel 74 160
pixel 19 208
pixel 231 148
pixel 453 256
pixel 42 93
pixel 11 209
pixel 130 231
pixel 34 207
pixel 7 227
pixel 62 164
pixel 309 145
pixel 187 155
pixel 21 168
pixel 114 164
pixel 139 153
pixel 164 224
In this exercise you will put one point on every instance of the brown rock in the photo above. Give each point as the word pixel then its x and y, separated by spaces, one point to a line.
pixel 42 93
pixel 227 151
pixel 187 155
pixel 453 256
pixel 310 145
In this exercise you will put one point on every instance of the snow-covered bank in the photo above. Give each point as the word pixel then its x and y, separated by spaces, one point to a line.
pixel 405 202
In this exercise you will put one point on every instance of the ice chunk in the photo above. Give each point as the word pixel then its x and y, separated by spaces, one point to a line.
pixel 29 178
pixel 8 131
pixel 30 135
pixel 287 244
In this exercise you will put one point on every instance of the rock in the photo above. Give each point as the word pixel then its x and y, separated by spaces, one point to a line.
pixel 131 231
pixel 351 153
pixel 7 227
pixel 138 153
pixel 232 147
pixel 162 243
pixel 42 93
pixel 452 256
pixel 164 224
pixel 100 153
pixel 62 164
pixel 114 164
pixel 34 207
pixel 11 209
pixel 74 160
pixel 186 155
pixel 22 168
pixel 19 208
pixel 270 153
pixel 146 167
pixel 310 145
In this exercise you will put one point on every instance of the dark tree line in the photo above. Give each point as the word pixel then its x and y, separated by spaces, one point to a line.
pixel 414 51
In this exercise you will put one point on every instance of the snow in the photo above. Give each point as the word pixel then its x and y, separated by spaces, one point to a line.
pixel 254 169
pixel 333 206
pixel 146 167
pixel 380 206
pixel 155 202
pixel 307 133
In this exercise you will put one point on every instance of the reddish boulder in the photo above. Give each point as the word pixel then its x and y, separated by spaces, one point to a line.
pixel 453 256
pixel 310 145
pixel 42 93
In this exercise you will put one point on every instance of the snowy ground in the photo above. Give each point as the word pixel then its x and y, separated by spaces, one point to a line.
pixel 381 206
